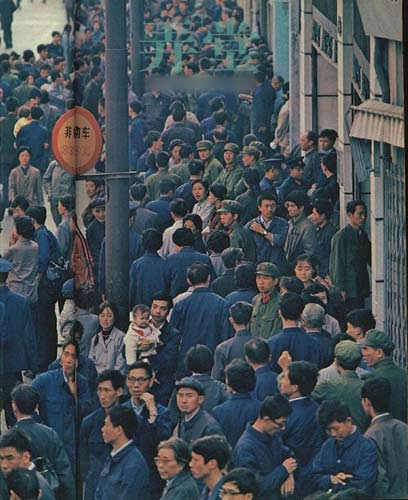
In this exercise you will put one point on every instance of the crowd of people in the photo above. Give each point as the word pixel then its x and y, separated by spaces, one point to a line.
pixel 251 367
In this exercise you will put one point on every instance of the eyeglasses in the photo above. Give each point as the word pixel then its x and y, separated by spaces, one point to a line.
pixel 163 460
pixel 281 425
pixel 230 493
pixel 138 380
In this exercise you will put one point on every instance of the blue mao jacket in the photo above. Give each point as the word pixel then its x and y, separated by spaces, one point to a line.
pixel 266 384
pixel 18 345
pixel 233 348
pixel 264 455
pixel 148 275
pixel 302 347
pixel 235 414
pixel 201 318
pixel 58 408
pixel 124 476
pixel 356 455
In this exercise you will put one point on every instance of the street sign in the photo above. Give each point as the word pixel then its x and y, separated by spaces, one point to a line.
pixel 77 140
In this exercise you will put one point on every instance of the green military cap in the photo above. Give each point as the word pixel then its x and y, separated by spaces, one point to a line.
pixel 251 150
pixel 260 146
pixel 202 145
pixel 347 352
pixel 378 340
pixel 230 206
pixel 231 146
pixel 268 269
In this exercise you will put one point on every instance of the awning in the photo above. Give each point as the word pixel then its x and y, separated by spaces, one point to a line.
pixel 378 121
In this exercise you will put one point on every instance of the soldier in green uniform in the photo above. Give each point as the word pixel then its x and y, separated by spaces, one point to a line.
pixel 250 159
pixel 240 236
pixel 181 169
pixel 265 321
pixel 212 167
pixel 152 182
pixel 232 172
pixel 377 348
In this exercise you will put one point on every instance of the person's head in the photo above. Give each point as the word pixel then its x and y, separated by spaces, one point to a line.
pixel 186 152
pixel 347 355
pixel 167 188
pixel 152 240
pixel 231 151
pixel 200 189
pixel 240 314
pixel 56 37
pixel 239 484
pixel 308 140
pixel 273 414
pixel 296 169
pixel 267 205
pixel 19 206
pixel 305 268
pixel 76 331
pixel 95 73
pixel 375 396
pixel 25 227
pixel 107 315
pixel 198 274
pixel 356 213
pixel 359 321
pixel 267 277
pixel 209 455
pixel 189 395
pixel 135 107
pixel 199 359
pixel 66 204
pixel 162 160
pixel 173 456
pixel 38 214
pixel 160 308
pixel 92 187
pixel 174 149
pixel 319 291
pixel 140 378
pixel 24 155
pixel 138 192
pixel 120 425
pixel 179 114
pixel 36 113
pixel 335 418
pixel 204 149
pixel 218 241
pixel 245 275
pixel 232 257
pixel 298 379
pixel 290 284
pixel 250 155
pixel 217 193
pixel 196 170
pixel 321 212
pixel 141 315
pixel 240 377
pixel 15 450
pixel 98 208
pixel 376 346
pixel 329 165
pixel 257 352
pixel 194 223
pixel 23 484
pixel 154 141
pixel 110 385
pixel 327 138
pixel 183 237
pixel 24 399
pixel 11 104
pixel 313 316
pixel 291 306
pixel 296 203
pixel 69 356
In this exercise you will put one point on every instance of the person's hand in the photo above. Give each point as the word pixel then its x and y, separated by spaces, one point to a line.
pixel 145 344
pixel 321 281
pixel 258 228
pixel 288 487
pixel 285 359
pixel 290 465
pixel 328 281
pixel 149 400
pixel 340 478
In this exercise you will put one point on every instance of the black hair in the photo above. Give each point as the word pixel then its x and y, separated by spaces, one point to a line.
pixel 275 407
pixel 312 136
pixel 231 257
pixel 20 201
pixel 244 479
pixel 310 259
pixel 198 273
pixel 166 185
pixel 240 376
pixel 162 159
pixel 330 162
pixel 291 306
pixel 16 438
pixel 304 375
pixel 11 104
pixel 196 220
pixel 218 241
pixel 152 240
pixel 299 198
pixel 199 359
pixel 329 133
pixel 25 227
pixel 183 237
pixel 179 114
pixel 21 149
pixel 135 106
pixel 257 351
pixel 203 182
pixel 142 364
pixel 26 397
pixel 138 191
pixel 24 483
pixel 71 341
pixel 245 275
pixel 164 297
pixel 125 418
pixel 68 202
pixel 378 391
pixel 185 151
pixel 241 312
pixel 151 137
pixel 352 205
pixel 114 376
pixel 361 318
pixel 180 449
pixel 323 206
pixel 213 448
pixel 38 213
pixel 196 167
pixel 248 139
pixel 266 196
pixel 331 411
pixel 178 207
pixel 291 284
pixel 76 327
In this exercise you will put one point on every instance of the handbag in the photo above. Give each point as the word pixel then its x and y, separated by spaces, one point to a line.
pixel 45 468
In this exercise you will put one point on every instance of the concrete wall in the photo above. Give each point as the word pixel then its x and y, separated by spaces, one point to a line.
pixel 326 94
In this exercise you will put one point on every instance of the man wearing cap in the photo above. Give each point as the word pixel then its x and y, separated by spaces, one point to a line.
pixel 265 321
pixel 347 388
pixel 250 159
pixel 269 232
pixel 273 169
pixel 240 236
pixel 294 181
pixel 232 172
pixel 18 349
pixel 212 167
pixel 195 422
pixel 377 348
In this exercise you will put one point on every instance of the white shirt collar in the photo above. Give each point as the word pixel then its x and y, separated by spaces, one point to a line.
pixel 113 453
pixel 297 399
pixel 378 416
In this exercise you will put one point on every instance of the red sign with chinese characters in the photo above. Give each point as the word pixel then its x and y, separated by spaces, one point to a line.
pixel 77 140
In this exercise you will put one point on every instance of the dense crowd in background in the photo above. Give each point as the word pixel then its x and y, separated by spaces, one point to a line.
pixel 251 367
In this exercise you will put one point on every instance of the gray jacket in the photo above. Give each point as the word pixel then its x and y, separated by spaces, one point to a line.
pixel 108 355
pixel 301 239
pixel 57 182
pixel 181 487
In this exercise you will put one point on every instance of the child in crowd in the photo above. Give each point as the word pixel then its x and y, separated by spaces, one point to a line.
pixel 142 337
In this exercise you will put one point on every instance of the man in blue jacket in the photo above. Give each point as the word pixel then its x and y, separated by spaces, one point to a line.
pixel 202 317
pixel 292 338
pixel 125 475
pixel 258 354
pixel 18 347
pixel 260 449
pixel 137 133
pixel 346 459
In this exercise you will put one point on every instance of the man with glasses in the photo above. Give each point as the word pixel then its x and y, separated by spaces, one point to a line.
pixel 239 484
pixel 93 449
pixel 260 449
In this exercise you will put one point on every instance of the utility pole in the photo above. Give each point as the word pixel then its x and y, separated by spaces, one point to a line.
pixel 136 36
pixel 117 206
